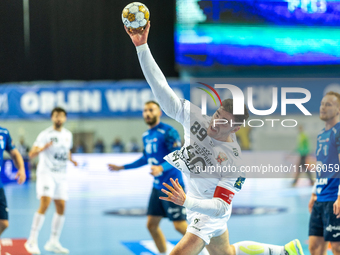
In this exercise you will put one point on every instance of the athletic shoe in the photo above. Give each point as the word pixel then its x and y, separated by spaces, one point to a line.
pixel 294 248
pixel 55 247
pixel 32 247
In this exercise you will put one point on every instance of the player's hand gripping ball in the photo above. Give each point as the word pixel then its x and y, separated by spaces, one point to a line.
pixel 135 15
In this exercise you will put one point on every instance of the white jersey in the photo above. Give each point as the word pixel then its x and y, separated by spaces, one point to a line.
pixel 199 149
pixel 201 154
pixel 54 158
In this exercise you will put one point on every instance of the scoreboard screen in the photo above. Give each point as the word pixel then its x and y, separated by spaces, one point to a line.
pixel 260 33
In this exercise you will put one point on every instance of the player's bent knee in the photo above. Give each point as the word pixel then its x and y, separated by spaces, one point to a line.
pixel 335 247
pixel 152 226
pixel 4 224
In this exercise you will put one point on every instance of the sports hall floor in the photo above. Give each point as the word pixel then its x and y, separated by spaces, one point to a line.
pixel 268 210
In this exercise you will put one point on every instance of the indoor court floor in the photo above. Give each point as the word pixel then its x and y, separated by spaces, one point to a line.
pixel 266 210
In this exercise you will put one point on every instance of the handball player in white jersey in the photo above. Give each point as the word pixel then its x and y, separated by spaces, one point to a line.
pixel 53 145
pixel 209 200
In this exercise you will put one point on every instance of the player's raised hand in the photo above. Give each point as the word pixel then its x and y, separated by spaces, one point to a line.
pixel 113 167
pixel 20 176
pixel 156 170
pixel 139 36
pixel 336 208
pixel 176 194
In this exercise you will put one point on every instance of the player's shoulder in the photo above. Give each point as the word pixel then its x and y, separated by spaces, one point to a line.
pixel 166 129
pixel 47 131
pixel 336 129
pixel 4 131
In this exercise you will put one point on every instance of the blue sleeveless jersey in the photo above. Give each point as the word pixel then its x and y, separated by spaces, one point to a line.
pixel 327 156
pixel 6 144
pixel 158 142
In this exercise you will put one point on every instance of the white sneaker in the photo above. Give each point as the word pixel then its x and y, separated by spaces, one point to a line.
pixel 32 247
pixel 55 247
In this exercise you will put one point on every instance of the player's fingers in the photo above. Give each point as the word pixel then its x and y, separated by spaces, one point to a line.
pixel 165 198
pixel 170 195
pixel 176 187
pixel 170 188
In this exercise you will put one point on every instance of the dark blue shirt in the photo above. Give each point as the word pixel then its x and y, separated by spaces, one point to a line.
pixel 6 144
pixel 158 142
pixel 327 171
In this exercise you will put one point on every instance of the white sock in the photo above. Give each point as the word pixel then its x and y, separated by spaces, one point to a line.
pixel 38 221
pixel 204 252
pixel 57 226
pixel 249 248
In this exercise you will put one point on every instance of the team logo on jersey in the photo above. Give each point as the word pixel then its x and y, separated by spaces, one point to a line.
pixel 239 182
pixel 235 151
pixel 221 157
pixel 54 139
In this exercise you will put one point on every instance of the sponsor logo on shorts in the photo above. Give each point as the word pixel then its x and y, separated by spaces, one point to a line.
pixel 196 221
pixel 196 228
pixel 330 228
pixel 46 188
pixel 173 210
pixel 336 235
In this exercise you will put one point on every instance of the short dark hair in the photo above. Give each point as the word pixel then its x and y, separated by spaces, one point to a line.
pixel 58 109
pixel 153 102
pixel 228 106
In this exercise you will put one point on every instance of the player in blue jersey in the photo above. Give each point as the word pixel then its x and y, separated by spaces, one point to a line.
pixel 158 141
pixel 6 144
pixel 324 205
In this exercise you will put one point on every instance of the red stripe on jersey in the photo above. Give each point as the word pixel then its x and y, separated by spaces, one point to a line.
pixel 224 194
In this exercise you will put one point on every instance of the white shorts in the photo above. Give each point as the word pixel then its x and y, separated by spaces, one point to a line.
pixel 206 227
pixel 52 185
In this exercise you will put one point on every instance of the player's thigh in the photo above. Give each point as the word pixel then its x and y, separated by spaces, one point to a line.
pixel 190 244
pixel 335 248
pixel 317 245
pixel 61 188
pixel 45 186
pixel 3 205
pixel 219 245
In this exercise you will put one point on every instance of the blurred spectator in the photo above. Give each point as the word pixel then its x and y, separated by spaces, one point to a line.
pixel 133 145
pixel 303 150
pixel 99 146
pixel 243 137
pixel 80 148
pixel 23 148
pixel 117 146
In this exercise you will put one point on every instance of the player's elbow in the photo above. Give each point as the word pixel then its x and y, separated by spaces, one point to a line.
pixel 223 208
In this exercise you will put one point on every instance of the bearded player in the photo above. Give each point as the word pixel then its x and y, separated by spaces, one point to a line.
pixel 324 205
pixel 158 141
pixel 53 146
pixel 209 200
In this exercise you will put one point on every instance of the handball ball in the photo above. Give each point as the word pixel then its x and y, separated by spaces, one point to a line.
pixel 135 15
